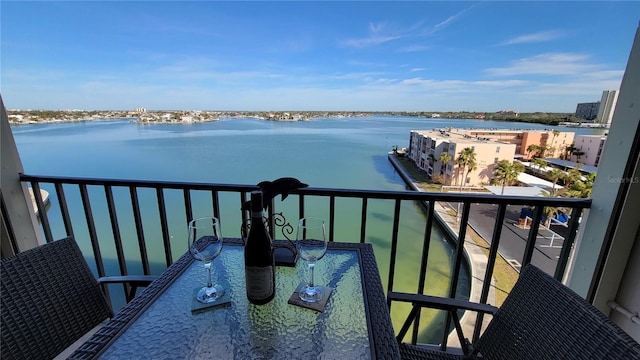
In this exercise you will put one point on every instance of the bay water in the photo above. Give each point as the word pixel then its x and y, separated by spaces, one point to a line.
pixel 324 152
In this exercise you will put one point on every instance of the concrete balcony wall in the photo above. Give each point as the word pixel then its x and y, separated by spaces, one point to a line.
pixel 605 243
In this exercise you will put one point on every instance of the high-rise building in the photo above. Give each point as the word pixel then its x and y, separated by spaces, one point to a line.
pixel 607 106
pixel 588 111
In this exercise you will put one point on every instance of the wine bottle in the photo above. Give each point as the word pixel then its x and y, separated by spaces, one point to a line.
pixel 259 260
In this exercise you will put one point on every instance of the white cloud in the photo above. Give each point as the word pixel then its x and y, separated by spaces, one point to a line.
pixel 441 25
pixel 547 64
pixel 462 86
pixel 370 41
pixel 380 33
pixel 536 37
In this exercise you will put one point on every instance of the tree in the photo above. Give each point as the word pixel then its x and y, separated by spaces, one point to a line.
pixel 572 176
pixel 533 148
pixel 507 172
pixel 568 151
pixel 466 160
pixel 554 175
pixel 539 163
pixel 553 140
pixel 542 150
pixel 582 188
pixel 548 211
pixel 444 158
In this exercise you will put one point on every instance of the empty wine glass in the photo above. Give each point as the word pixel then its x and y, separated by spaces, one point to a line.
pixel 311 243
pixel 205 244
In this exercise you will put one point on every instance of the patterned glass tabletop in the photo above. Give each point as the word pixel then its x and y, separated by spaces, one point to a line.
pixel 168 329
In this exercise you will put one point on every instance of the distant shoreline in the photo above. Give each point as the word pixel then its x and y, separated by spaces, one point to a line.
pixel 30 117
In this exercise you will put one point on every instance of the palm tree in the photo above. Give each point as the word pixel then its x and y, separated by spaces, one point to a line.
pixel 548 210
pixel 444 158
pixel 552 147
pixel 572 176
pixel 466 160
pixel 507 172
pixel 533 148
pixel 582 188
pixel 568 151
pixel 542 150
pixel 555 175
pixel 539 163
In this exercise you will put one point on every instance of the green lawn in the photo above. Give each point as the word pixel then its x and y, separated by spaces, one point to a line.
pixel 420 176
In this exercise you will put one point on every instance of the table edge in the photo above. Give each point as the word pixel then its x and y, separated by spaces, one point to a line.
pixel 384 345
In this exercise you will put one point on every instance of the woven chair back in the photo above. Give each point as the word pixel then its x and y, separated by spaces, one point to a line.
pixel 50 298
pixel 542 319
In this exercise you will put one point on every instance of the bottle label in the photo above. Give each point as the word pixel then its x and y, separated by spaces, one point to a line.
pixel 259 281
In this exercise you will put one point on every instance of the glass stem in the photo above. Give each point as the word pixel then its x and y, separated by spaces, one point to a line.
pixel 311 266
pixel 208 267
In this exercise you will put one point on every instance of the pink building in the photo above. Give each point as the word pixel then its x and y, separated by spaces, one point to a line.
pixel 555 142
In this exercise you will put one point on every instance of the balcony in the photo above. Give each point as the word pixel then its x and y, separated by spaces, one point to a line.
pixel 133 227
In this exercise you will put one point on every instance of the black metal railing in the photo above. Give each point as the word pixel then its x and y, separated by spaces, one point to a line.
pixel 164 194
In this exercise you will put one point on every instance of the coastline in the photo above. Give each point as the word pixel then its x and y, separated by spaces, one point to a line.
pixel 23 117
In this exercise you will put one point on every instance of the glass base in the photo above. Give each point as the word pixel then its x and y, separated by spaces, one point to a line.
pixel 311 294
pixel 208 295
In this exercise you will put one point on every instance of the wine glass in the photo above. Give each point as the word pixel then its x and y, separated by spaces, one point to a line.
pixel 205 244
pixel 311 243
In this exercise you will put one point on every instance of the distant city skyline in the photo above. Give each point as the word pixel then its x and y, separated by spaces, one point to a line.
pixel 545 56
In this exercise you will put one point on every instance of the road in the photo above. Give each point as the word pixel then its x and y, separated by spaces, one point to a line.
pixel 514 238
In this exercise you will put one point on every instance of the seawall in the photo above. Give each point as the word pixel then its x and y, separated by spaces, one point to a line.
pixel 475 259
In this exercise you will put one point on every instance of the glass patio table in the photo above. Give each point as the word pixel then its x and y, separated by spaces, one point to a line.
pixel 159 323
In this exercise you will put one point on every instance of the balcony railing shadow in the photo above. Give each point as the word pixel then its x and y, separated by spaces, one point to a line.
pixel 129 226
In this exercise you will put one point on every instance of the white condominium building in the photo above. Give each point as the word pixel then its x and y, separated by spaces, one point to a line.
pixel 426 147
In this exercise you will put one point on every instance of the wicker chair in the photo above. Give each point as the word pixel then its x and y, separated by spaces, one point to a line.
pixel 50 299
pixel 540 319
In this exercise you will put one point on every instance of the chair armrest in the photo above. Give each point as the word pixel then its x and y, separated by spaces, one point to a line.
pixel 141 280
pixel 442 303
pixel 130 283
pixel 450 305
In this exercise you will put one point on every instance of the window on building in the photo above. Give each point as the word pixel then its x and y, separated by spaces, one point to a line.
pixel 495 161
pixel 497 149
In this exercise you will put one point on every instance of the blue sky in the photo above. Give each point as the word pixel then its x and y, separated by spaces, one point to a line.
pixel 303 55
